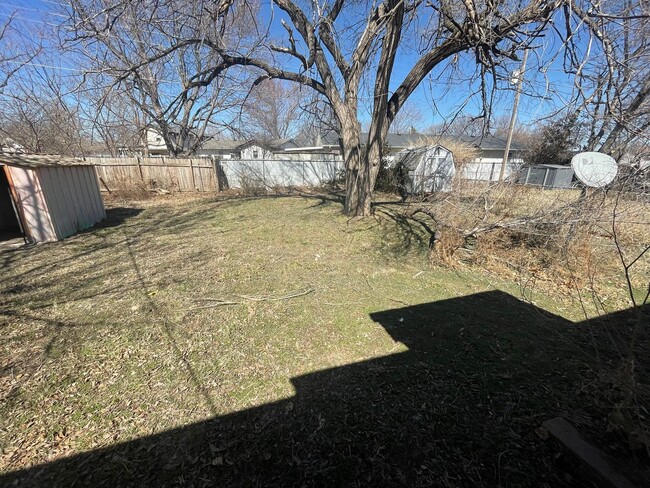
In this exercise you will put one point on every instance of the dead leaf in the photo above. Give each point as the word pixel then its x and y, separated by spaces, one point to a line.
pixel 542 432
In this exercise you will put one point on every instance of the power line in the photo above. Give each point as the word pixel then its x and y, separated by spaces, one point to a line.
pixel 18 7
pixel 27 19
pixel 76 70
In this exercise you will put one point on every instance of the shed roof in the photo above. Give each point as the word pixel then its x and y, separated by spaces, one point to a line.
pixel 552 166
pixel 40 160
pixel 411 158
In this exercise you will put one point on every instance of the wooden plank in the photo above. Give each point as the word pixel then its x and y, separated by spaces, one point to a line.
pixel 589 455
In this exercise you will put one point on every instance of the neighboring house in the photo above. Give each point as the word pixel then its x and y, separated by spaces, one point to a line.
pixel 256 149
pixel 325 147
pixel 252 149
pixel 155 142
pixel 222 149
pixel 9 146
pixel 487 166
pixel 398 142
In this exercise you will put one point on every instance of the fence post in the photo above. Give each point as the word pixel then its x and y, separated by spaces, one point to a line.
pixel 545 177
pixel 263 172
pixel 217 182
pixel 140 168
pixel 192 173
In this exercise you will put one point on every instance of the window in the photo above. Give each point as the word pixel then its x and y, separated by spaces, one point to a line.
pixel 256 154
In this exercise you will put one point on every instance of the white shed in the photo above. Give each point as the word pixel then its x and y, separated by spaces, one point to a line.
pixel 48 198
pixel 425 169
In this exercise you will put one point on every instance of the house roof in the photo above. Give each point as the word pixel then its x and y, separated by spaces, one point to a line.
pixel 396 140
pixel 221 144
pixel 329 138
pixel 488 142
pixel 40 160
pixel 270 144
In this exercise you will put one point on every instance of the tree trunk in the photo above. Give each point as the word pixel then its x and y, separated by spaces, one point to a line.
pixel 361 169
pixel 351 142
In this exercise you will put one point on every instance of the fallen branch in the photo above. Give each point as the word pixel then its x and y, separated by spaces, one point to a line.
pixel 253 298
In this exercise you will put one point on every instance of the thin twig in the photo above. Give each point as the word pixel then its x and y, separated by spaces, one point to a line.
pixel 253 298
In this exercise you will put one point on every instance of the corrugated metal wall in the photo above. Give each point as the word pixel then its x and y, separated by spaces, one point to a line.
pixel 73 197
pixel 33 207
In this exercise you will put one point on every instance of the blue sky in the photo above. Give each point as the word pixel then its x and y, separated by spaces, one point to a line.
pixel 435 101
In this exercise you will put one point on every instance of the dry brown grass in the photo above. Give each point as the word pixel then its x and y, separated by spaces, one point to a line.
pixel 550 238
pixel 99 349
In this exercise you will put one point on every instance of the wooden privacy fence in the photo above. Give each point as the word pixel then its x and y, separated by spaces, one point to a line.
pixel 208 174
pixel 177 174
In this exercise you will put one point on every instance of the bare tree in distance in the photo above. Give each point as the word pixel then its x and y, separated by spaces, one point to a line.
pixel 408 120
pixel 114 119
pixel 181 87
pixel 272 110
pixel 39 112
pixel 15 51
pixel 460 124
pixel 612 90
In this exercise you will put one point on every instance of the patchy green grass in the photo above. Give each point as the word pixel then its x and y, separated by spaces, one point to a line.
pixel 101 342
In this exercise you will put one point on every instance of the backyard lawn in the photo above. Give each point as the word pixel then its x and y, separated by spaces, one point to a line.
pixel 273 341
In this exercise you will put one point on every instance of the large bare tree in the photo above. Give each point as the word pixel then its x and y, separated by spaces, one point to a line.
pixel 344 49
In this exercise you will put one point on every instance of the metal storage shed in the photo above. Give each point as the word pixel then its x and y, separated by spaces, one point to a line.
pixel 49 197
pixel 427 169
pixel 547 176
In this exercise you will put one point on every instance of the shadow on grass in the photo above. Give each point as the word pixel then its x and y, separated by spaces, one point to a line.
pixel 459 408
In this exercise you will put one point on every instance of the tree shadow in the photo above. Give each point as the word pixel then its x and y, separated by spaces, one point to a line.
pixel 116 216
pixel 459 408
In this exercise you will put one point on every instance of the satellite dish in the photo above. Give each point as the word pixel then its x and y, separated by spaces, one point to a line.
pixel 594 169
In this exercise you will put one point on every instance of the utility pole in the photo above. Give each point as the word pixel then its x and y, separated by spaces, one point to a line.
pixel 513 117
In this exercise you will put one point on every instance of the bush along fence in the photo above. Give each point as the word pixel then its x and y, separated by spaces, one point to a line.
pixel 211 174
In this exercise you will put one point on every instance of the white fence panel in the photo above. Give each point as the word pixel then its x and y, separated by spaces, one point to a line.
pixel 487 171
pixel 278 173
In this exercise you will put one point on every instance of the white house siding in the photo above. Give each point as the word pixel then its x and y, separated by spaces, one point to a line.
pixel 73 197
pixel 254 152
pixel 32 204
pixel 156 142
